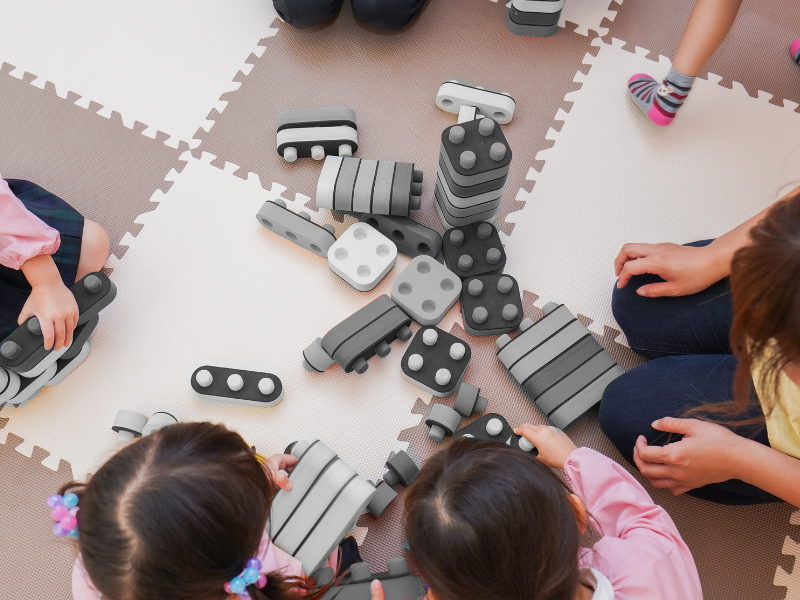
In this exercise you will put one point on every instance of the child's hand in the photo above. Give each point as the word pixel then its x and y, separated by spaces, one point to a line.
pixel 280 464
pixel 376 589
pixel 55 307
pixel 553 444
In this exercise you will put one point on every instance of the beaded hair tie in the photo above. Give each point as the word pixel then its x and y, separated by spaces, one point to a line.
pixel 250 575
pixel 64 510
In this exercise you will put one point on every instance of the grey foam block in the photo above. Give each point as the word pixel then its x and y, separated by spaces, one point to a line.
pixel 250 394
pixel 304 140
pixel 533 335
pixel 469 400
pixel 315 358
pixel 381 500
pixel 296 228
pixel 365 182
pixel 471 190
pixel 345 184
pixel 402 470
pixel 365 343
pixel 329 116
pixel 560 367
pixel 479 207
pixel 23 350
pixel 29 387
pixel 548 350
pixel 426 290
pixel 442 420
pixel 497 293
pixel 542 19
pixel 9 385
pixel 485 168
pixel 478 239
pixel 382 189
pixel 356 322
pixel 65 366
pixel 448 221
pixel 542 31
pixel 412 238
pixel 326 184
pixel 573 383
pixel 469 201
pixel 436 356
pixel 586 399
pixel 401 189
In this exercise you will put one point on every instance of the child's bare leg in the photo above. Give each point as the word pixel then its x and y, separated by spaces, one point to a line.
pixel 94 248
pixel 708 25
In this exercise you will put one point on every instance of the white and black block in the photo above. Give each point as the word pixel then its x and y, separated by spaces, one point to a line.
pixel 453 95
pixel 252 388
pixel 492 427
pixel 316 132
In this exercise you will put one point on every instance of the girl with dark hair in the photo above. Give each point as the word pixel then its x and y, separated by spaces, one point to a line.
pixel 487 522
pixel 180 515
pixel 721 319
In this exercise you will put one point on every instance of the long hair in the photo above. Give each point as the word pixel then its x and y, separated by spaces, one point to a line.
pixel 488 522
pixel 175 515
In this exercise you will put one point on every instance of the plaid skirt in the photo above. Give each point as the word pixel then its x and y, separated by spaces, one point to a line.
pixel 14 288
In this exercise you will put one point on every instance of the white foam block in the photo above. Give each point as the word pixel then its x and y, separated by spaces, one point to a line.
pixel 362 256
pixel 538 6
pixel 326 184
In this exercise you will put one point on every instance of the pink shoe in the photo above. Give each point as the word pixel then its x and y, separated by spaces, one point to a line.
pixel 794 49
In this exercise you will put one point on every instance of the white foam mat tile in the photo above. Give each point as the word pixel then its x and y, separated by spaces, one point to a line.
pixel 588 14
pixel 205 283
pixel 165 64
pixel 613 177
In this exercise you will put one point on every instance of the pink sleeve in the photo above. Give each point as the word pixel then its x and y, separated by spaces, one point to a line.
pixel 82 588
pixel 274 559
pixel 641 551
pixel 23 235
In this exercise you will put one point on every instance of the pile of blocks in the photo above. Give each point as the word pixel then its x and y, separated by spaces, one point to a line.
pixel 537 18
pixel 473 168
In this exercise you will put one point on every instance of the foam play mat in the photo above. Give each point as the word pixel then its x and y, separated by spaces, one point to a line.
pixel 157 120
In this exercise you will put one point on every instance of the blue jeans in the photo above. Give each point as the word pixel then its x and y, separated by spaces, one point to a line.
pixel 687 338
pixel 386 15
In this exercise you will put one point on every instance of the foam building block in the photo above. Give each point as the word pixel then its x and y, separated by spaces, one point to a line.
pixel 452 96
pixel 65 366
pixel 402 470
pixel 473 250
pixel 559 364
pixel 426 290
pixel 9 385
pixel 297 228
pixel 326 499
pixel 29 387
pixel 316 132
pixel 397 582
pixel 129 424
pixel 436 361
pixel 473 169
pixel 380 187
pixel 365 333
pixel 536 18
pixel 23 350
pixel 492 427
pixel 251 388
pixel 411 238
pixel 443 420
pixel 491 304
pixel 362 256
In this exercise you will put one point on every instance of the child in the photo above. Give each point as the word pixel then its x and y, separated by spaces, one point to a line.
pixel 487 522
pixel 45 246
pixel 181 515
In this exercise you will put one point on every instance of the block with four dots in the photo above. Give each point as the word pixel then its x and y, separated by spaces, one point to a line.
pixel 473 250
pixel 491 305
pixel 436 361
pixel 236 385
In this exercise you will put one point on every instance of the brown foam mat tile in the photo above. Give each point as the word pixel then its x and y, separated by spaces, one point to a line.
pixel 755 53
pixel 35 562
pixel 105 170
pixel 737 549
pixel 397 77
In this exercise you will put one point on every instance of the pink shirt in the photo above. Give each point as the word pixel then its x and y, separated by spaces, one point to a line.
pixel 641 552
pixel 23 235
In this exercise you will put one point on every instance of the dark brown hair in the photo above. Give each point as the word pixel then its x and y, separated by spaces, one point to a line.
pixel 488 522
pixel 765 285
pixel 176 515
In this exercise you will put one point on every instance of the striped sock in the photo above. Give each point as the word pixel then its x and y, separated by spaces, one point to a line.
pixel 660 102
pixel 795 50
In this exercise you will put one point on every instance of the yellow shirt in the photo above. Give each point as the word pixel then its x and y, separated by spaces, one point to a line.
pixel 782 413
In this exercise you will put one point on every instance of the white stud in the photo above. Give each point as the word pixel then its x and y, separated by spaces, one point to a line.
pixel 457 351
pixel 415 362
pixel 494 426
pixel 525 444
pixel 429 337
pixel 204 378
pixel 266 386
pixel 442 376
pixel 235 382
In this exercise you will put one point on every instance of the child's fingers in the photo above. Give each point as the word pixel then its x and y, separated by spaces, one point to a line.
pixel 288 461
pixel 282 481
pixel 377 590
pixel 531 431
pixel 48 333
pixel 60 327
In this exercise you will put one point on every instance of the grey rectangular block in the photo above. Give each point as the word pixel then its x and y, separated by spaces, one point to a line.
pixel 470 200
pixel 574 382
pixel 356 322
pixel 561 366
pixel 382 192
pixel 345 184
pixel 293 227
pixel 579 404
pixel 365 181
pixel 467 210
pixel 535 335
pixel 363 343
pixel 401 188
pixel 547 351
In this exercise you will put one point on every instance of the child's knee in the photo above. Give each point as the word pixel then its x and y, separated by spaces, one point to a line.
pixel 387 16
pixel 94 247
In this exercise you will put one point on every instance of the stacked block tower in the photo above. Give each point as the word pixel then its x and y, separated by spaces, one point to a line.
pixel 473 168
pixel 537 18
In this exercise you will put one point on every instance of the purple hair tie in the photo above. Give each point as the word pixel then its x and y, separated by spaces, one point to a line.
pixel 64 510
pixel 250 576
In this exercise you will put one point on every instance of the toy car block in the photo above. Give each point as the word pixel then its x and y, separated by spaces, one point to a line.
pixel 129 424
pixel 29 387
pixel 326 499
pixel 65 366
pixel 362 256
pixel 453 96
pixel 9 385
pixel 366 332
pixel 475 152
pixel 251 388
pixel 383 187
pixel 492 427
pixel 402 470
pixel 559 364
pixel 315 132
pixel 411 238
pixel 397 582
pixel 491 304
pixel 426 290
pixel 297 228
pixel 473 250
pixel 23 350
pixel 436 361
pixel 469 400
pixel 443 420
